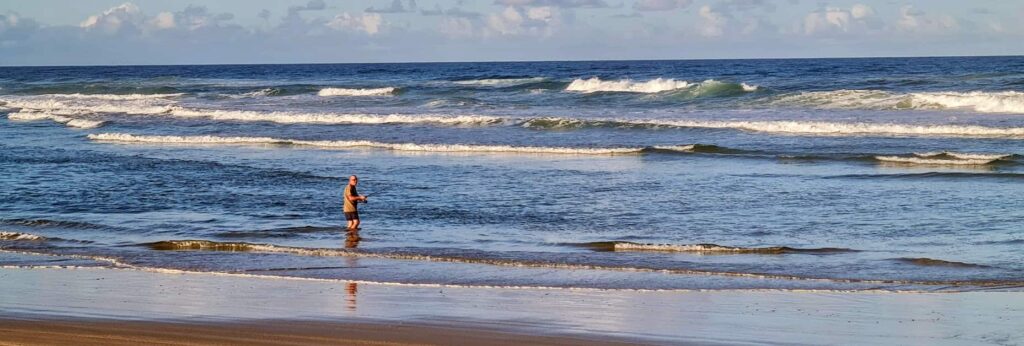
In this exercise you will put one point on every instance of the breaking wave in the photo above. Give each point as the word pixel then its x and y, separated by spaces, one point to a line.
pixel 924 261
pixel 708 248
pixel 789 127
pixel 500 81
pixel 946 158
pixel 626 85
pixel 114 97
pixel 122 137
pixel 357 92
pixel 979 101
pixel 708 87
pixel 70 122
pixel 19 236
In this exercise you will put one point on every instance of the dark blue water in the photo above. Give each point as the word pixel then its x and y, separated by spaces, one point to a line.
pixel 781 174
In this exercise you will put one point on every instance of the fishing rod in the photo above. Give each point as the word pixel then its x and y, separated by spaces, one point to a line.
pixel 378 192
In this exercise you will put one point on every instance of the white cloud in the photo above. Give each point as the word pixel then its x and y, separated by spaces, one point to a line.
pixel 913 20
pixel 838 21
pixel 114 19
pixel 532 21
pixel 712 23
pixel 660 5
pixel 370 23
pixel 861 11
pixel 164 20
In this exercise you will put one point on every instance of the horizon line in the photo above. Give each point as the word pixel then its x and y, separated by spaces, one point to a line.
pixel 525 61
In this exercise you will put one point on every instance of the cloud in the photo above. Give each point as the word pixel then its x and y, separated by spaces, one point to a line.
pixel 532 21
pixel 712 23
pixel 14 28
pixel 451 12
pixel 660 5
pixel 554 3
pixel 832 21
pixel 397 6
pixel 312 5
pixel 916 21
pixel 126 16
pixel 370 23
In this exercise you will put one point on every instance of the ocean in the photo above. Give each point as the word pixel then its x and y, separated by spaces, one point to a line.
pixel 892 174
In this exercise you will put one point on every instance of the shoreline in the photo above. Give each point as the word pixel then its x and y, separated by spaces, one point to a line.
pixel 96 301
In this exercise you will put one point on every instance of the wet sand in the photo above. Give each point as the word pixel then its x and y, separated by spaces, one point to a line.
pixel 116 306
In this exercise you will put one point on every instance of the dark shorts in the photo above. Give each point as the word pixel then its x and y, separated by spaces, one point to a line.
pixel 352 216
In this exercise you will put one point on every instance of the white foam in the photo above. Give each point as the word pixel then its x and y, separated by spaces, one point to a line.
pixel 500 81
pixel 965 156
pixel 978 101
pixel 19 236
pixel 945 158
pixel 70 122
pixel 628 246
pixel 457 148
pixel 73 107
pixel 626 85
pixel 984 102
pixel 331 118
pixel 749 87
pixel 113 97
pixel 844 129
pixel 682 148
pixel 167 108
pixel 356 92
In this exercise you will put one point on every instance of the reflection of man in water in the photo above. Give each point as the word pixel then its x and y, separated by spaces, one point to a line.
pixel 350 298
pixel 352 199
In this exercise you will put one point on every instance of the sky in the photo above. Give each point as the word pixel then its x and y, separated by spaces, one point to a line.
pixel 116 32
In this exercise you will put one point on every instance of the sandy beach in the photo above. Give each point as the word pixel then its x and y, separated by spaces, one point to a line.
pixel 117 306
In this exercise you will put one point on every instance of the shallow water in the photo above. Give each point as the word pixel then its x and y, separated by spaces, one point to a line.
pixel 846 174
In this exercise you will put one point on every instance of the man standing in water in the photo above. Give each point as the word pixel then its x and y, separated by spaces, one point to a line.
pixel 352 199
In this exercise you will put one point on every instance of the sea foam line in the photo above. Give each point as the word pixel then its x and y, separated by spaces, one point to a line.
pixel 70 122
pixel 788 127
pixel 942 159
pixel 130 138
pixel 357 92
pixel 4 235
pixel 657 85
pixel 979 101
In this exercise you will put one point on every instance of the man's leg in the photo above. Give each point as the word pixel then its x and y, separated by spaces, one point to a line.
pixel 355 224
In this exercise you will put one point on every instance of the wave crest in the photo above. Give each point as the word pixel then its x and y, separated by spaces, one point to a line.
pixel 70 122
pixel 468 148
pixel 708 248
pixel 357 92
pixel 19 236
pixel 979 101
pixel 626 85
pixel 946 158
pixel 500 81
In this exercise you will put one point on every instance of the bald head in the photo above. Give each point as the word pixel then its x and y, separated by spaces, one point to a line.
pixel 352 180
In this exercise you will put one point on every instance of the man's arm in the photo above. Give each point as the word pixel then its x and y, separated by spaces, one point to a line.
pixel 353 198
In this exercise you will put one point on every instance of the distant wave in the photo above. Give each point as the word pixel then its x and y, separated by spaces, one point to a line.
pixel 70 122
pixel 114 97
pixel 331 118
pixel 357 92
pixel 979 101
pixel 924 261
pixel 626 85
pixel 500 81
pixel 946 158
pixel 789 127
pixel 19 236
pixel 121 137
pixel 658 85
pixel 707 248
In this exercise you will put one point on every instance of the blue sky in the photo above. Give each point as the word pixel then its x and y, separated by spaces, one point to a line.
pixel 88 32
